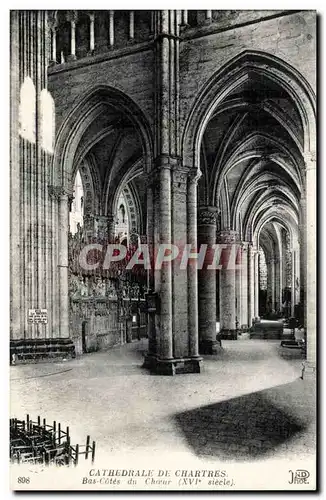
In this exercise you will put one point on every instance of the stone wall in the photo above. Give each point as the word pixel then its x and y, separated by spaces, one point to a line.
pixel 203 51
pixel 129 70
pixel 105 322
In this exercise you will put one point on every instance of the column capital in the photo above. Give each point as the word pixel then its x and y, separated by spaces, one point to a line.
pixel 53 19
pixel 207 215
pixel 227 236
pixel 194 174
pixel 310 159
pixel 59 192
pixel 72 16
pixel 244 246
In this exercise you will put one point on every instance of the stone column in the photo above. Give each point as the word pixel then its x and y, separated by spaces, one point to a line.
pixel 227 285
pixel 111 28
pixel 208 15
pixel 192 268
pixel 303 243
pixel 238 297
pixel 251 285
pixel 151 330
pixel 171 281
pixel 73 39
pixel 111 227
pixel 271 284
pixel 244 287
pixel 131 25
pixel 91 32
pixel 295 282
pixel 30 221
pixel 310 264
pixel 297 275
pixel 63 263
pixel 278 284
pixel 283 262
pixel 293 276
pixel 54 43
pixel 166 346
pixel 256 277
pixel 207 283
pixel 184 18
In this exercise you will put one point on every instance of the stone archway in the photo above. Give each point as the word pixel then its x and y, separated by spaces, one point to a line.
pixel 103 114
pixel 253 166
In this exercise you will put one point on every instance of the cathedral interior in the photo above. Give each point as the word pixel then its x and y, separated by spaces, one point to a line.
pixel 156 127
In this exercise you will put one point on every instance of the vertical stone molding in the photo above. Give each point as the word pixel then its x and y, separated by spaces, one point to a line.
pixel 179 228
pixel 166 345
pixel 207 217
pixel 256 292
pixel 63 263
pixel 295 279
pixel 72 16
pixel 251 285
pixel 91 32
pixel 243 316
pixel 270 284
pixel 228 325
pixel 111 28
pixel 310 276
pixel 131 25
pixel 192 268
pixel 278 284
pixel 54 43
pixel 151 328
pixel 238 297
pixel 61 197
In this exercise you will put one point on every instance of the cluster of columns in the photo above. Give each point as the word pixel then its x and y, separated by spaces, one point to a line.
pixel 171 217
pixel 276 281
pixel 34 214
pixel 238 284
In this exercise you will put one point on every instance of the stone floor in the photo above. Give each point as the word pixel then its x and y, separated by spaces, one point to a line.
pixel 248 403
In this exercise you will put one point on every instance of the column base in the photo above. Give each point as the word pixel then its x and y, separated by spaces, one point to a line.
pixel 309 370
pixel 226 334
pixel 172 366
pixel 209 346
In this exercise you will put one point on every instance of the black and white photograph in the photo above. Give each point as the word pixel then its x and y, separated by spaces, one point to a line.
pixel 163 295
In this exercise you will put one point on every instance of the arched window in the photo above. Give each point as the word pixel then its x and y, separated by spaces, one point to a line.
pixel 47 121
pixel 27 110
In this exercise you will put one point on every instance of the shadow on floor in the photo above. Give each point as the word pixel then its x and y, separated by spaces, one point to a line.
pixel 250 353
pixel 251 426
